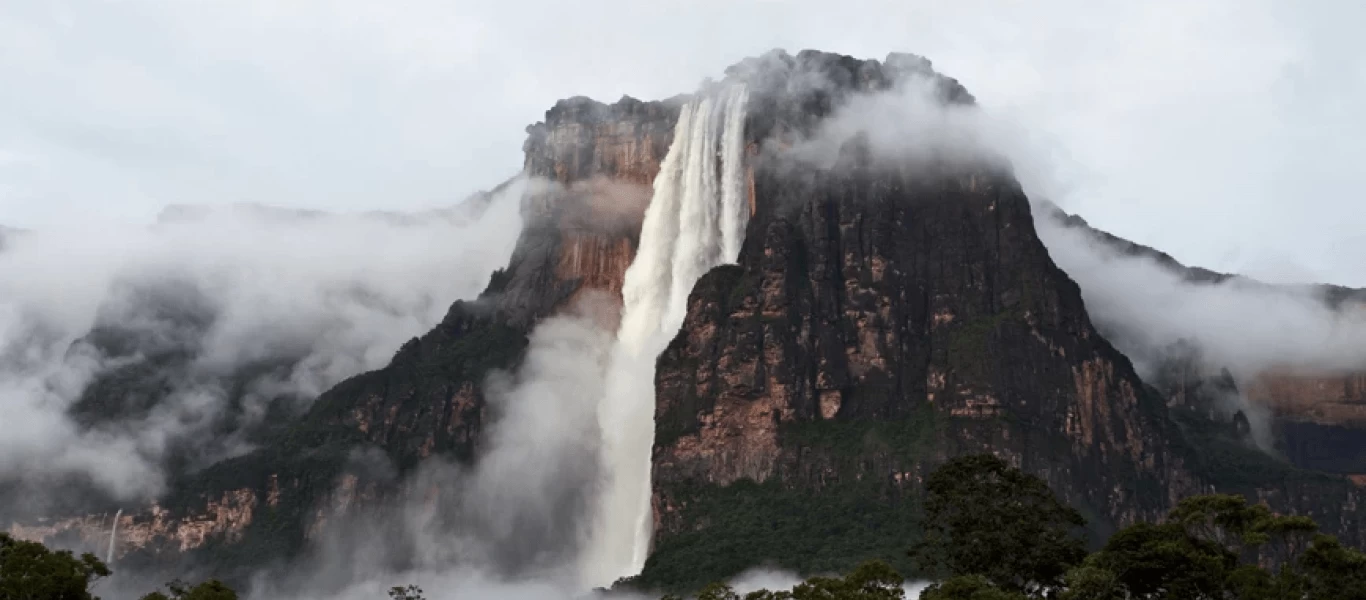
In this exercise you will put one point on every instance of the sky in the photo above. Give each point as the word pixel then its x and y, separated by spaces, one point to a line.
pixel 1225 132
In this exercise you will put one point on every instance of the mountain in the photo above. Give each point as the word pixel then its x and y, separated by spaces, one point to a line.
pixel 1315 412
pixel 881 320
pixel 892 305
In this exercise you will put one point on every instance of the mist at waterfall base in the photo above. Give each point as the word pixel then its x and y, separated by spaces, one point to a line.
pixel 508 526
pixel 228 313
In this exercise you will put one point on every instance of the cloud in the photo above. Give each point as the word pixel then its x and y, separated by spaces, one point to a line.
pixel 509 525
pixel 535 486
pixel 1205 129
pixel 1146 307
pixel 191 330
pixel 1242 324
pixel 909 124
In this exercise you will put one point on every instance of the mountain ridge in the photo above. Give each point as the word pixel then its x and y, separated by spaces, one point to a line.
pixel 880 321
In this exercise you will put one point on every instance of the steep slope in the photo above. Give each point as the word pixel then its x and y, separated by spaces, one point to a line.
pixel 589 165
pixel 1314 413
pixel 884 318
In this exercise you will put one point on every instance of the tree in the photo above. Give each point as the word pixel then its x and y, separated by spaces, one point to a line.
pixel 1163 561
pixel 872 580
pixel 1089 582
pixel 30 571
pixel 986 518
pixel 1332 571
pixel 411 592
pixel 1210 547
pixel 1243 528
pixel 211 589
pixel 717 591
pixel 968 587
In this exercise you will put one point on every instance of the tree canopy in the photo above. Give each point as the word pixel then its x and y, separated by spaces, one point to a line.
pixel 993 532
pixel 31 571
pixel 988 519
pixel 212 589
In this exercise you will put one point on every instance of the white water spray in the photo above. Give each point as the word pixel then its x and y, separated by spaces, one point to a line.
pixel 113 531
pixel 696 220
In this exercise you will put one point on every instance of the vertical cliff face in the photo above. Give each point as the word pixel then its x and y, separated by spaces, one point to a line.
pixel 589 167
pixel 881 320
pixel 583 225
pixel 1317 420
pixel 882 297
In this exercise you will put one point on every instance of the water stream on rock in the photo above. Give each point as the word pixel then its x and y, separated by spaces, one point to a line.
pixel 696 220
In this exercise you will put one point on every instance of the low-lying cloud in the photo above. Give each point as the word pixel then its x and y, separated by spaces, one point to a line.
pixel 1244 325
pixel 509 525
pixel 193 329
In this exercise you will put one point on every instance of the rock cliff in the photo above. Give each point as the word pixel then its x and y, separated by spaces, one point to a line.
pixel 883 317
pixel 590 166
pixel 1315 415
pixel 882 320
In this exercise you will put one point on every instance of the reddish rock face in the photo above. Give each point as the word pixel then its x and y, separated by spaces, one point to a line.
pixel 603 159
pixel 225 517
pixel 1317 421
pixel 1326 399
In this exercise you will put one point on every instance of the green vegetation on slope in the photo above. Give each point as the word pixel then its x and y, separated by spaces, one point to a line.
pixel 830 530
pixel 996 533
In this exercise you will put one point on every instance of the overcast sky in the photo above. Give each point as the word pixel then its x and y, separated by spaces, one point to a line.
pixel 1227 132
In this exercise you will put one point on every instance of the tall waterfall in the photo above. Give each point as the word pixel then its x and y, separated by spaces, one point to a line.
pixel 696 220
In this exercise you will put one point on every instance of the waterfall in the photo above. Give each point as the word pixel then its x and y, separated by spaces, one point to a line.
pixel 113 531
pixel 696 220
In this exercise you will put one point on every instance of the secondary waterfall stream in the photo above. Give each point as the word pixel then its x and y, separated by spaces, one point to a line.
pixel 113 533
pixel 696 220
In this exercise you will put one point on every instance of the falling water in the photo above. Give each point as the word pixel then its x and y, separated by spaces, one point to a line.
pixel 696 220
pixel 113 531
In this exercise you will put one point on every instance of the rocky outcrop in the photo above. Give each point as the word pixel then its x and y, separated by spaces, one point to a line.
pixel 1324 399
pixel 593 164
pixel 1318 421
pixel 883 319
pixel 918 298
pixel 226 517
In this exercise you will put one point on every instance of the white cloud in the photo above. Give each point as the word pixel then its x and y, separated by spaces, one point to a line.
pixel 1205 128
pixel 328 295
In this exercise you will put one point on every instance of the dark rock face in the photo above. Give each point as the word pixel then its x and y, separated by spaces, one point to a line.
pixel 920 301
pixel 881 321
